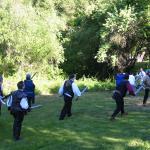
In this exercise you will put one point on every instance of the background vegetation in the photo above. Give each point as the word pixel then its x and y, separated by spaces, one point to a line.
pixel 58 37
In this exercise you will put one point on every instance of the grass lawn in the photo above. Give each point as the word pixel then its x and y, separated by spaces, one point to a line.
pixel 89 128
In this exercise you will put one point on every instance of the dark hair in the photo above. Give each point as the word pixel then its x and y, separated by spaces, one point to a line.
pixel 126 76
pixel 28 76
pixel 72 76
pixel 20 85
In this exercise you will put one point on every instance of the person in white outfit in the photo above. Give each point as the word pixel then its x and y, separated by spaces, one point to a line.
pixel 132 80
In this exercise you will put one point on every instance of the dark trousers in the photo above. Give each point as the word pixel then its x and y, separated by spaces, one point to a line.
pixel 67 107
pixel 0 107
pixel 119 104
pixel 31 100
pixel 146 95
pixel 18 119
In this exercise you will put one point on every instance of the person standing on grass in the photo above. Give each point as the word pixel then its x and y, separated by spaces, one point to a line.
pixel 1 91
pixel 119 94
pixel 17 111
pixel 146 82
pixel 132 80
pixel 29 89
pixel 68 90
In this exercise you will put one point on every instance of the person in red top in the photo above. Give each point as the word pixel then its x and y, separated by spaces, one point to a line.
pixel 119 94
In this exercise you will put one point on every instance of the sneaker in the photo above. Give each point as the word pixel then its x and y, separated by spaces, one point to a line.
pixel 144 105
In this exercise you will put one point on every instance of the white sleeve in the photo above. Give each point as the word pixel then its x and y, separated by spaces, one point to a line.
pixel 76 90
pixel 61 90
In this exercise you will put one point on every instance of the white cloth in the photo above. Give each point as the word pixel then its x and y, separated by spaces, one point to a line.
pixel 75 89
pixel 142 74
pixel 132 79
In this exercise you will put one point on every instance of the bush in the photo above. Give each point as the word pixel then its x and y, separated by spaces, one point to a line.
pixel 45 86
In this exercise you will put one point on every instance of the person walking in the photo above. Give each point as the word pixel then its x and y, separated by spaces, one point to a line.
pixel 29 89
pixel 146 82
pixel 119 94
pixel 68 90
pixel 17 111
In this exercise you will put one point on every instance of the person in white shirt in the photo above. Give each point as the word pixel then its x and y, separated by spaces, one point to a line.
pixel 68 90
pixel 132 80
pixel 142 74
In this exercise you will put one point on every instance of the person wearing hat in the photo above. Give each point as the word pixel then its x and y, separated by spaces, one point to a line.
pixel 119 94
pixel 29 89
pixel 146 81
pixel 17 111
pixel 68 90
pixel 1 91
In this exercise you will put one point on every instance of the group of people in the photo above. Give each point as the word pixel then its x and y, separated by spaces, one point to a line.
pixel 68 90
pixel 124 83
pixel 26 89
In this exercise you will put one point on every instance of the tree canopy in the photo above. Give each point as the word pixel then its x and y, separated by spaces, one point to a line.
pixel 88 37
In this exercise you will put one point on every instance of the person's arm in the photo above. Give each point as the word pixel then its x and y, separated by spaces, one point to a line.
pixel 61 90
pixel 130 89
pixel 76 90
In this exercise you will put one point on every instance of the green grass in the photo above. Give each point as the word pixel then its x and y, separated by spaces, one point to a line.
pixel 88 129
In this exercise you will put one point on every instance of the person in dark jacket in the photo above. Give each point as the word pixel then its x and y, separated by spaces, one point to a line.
pixel 146 82
pixel 29 89
pixel 16 110
pixel 68 90
pixel 1 91
pixel 119 94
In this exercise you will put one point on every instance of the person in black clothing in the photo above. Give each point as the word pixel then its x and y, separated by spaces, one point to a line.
pixel 29 89
pixel 119 95
pixel 146 82
pixel 16 110
pixel 68 90
pixel 1 91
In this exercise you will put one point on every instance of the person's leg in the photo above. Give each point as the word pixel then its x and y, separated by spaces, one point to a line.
pixel 122 106
pixel 18 119
pixel 64 109
pixel 33 100
pixel 145 96
pixel 69 108
pixel 118 99
pixel 0 107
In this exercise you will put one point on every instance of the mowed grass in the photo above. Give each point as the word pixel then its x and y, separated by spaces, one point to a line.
pixel 88 129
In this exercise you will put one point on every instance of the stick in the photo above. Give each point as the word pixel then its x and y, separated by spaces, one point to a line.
pixel 33 75
pixel 85 89
pixel 32 107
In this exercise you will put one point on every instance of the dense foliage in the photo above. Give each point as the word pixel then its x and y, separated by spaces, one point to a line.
pixel 88 37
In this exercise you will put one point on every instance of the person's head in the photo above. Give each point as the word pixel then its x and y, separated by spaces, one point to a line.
pixel 141 69
pixel 126 76
pixel 20 85
pixel 72 77
pixel 28 76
